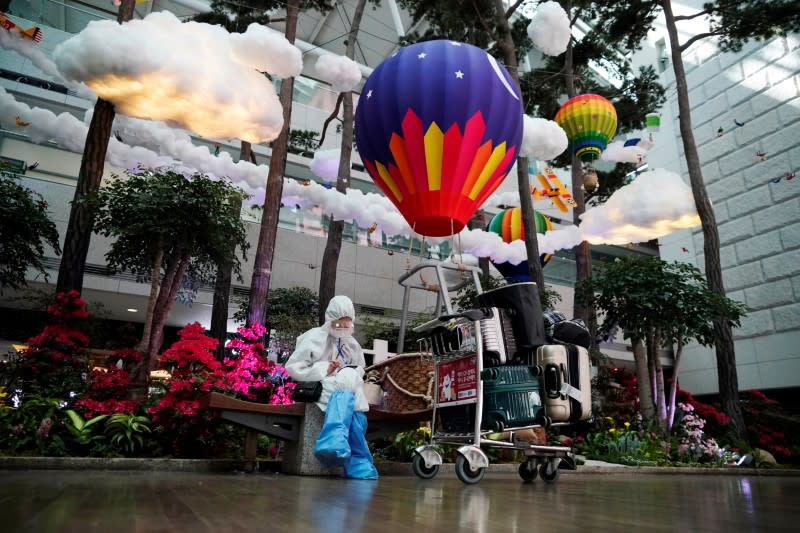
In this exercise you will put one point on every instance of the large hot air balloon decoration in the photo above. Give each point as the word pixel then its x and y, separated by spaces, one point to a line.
pixel 590 122
pixel 508 225
pixel 438 126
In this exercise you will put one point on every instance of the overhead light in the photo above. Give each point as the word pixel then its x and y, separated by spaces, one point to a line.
pixel 132 310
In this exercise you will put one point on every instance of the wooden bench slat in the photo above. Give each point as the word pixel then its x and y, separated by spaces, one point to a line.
pixel 216 400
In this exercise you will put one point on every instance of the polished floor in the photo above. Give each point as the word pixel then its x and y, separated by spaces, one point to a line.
pixel 120 502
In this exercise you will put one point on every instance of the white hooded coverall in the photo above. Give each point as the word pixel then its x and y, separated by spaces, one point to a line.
pixel 316 348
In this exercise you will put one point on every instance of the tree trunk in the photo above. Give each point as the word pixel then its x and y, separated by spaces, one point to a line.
pixel 728 380
pixel 333 245
pixel 478 221
pixel 223 281
pixel 673 389
pixel 162 311
pixel 661 405
pixel 506 43
pixel 81 217
pixel 583 257
pixel 646 406
pixel 651 369
pixel 155 283
pixel 262 267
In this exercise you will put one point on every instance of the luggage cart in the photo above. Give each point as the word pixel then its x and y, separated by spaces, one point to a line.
pixel 460 383
pixel 455 343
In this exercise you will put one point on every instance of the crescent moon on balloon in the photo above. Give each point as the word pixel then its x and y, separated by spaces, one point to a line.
pixel 503 80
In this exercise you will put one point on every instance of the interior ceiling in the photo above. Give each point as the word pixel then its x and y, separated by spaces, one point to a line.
pixel 377 39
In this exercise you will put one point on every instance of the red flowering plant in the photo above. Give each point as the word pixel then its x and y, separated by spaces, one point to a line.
pixel 251 375
pixel 769 427
pixel 187 430
pixel 54 364
pixel 108 387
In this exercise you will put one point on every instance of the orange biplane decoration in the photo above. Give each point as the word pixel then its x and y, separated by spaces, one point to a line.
pixel 553 188
pixel 33 33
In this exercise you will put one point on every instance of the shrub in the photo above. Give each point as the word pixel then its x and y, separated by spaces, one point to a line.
pixel 251 375
pixel 54 364
pixel 107 391
pixel 186 430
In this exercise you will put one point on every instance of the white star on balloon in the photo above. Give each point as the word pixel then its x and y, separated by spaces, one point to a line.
pixel 459 74
pixel 422 55
pixel 369 94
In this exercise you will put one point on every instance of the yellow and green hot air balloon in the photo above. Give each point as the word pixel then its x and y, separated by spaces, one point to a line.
pixel 508 225
pixel 590 122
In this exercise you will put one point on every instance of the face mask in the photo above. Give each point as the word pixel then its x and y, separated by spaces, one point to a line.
pixel 341 333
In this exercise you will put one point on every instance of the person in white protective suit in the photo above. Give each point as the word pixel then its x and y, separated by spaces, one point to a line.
pixel 330 354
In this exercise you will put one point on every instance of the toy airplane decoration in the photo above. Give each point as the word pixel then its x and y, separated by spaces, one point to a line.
pixel 553 188
pixel 33 33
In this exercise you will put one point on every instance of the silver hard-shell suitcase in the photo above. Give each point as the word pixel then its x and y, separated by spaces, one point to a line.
pixel 566 382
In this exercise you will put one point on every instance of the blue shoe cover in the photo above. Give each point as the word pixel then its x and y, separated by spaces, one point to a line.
pixel 332 448
pixel 360 465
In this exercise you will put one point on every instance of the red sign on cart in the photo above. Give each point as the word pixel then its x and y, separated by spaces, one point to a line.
pixel 458 380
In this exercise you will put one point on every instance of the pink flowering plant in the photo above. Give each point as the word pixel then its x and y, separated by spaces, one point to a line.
pixel 693 445
pixel 251 375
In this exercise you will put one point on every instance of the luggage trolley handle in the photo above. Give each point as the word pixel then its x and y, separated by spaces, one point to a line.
pixel 553 380
pixel 471 314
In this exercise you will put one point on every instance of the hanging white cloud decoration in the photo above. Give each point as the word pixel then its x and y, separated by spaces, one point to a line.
pixel 549 29
pixel 341 72
pixel 197 76
pixel 655 204
pixel 542 139
pixel 326 164
pixel 619 153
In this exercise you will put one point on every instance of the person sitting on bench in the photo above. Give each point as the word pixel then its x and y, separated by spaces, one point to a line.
pixel 330 354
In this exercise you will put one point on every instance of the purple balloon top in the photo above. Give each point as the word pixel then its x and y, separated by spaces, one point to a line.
pixel 440 81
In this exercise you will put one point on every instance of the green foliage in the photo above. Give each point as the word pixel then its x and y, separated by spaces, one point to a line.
pixel 378 328
pixel 149 212
pixel 642 295
pixel 83 430
pixel 25 230
pixel 127 429
pixel 402 447
pixel 736 22
pixel 627 443
pixel 33 428
pixel 469 22
pixel 303 140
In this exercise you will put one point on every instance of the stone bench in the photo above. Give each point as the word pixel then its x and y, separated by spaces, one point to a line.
pixel 298 425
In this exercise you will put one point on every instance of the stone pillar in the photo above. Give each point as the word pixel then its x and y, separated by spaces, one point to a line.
pixel 298 457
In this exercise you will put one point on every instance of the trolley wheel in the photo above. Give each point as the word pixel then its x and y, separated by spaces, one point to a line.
pixel 465 473
pixel 549 471
pixel 527 471
pixel 421 470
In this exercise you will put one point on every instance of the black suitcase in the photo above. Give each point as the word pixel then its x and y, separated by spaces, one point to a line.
pixel 520 302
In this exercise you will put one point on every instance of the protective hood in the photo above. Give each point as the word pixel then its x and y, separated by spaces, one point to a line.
pixel 340 307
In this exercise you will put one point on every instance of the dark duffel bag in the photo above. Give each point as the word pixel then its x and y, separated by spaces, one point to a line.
pixel 572 332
